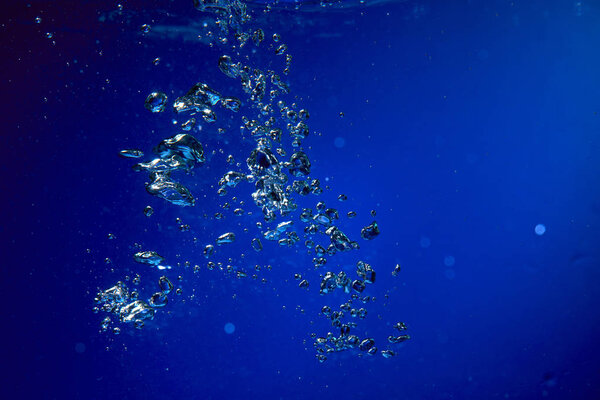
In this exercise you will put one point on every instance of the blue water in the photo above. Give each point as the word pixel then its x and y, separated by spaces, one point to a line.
pixel 470 127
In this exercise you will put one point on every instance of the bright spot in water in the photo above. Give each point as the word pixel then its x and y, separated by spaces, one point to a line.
pixel 229 328
pixel 339 142
pixel 540 229
pixel 79 347
pixel 449 261
pixel 449 273
pixel 425 242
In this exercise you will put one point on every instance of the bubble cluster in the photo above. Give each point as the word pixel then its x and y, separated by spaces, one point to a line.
pixel 280 175
pixel 117 300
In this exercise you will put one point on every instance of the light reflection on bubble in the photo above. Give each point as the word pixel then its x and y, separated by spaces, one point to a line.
pixel 425 242
pixel 449 261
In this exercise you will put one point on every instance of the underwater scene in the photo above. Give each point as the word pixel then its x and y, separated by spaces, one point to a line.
pixel 299 199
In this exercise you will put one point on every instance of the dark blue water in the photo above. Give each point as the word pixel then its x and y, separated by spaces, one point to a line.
pixel 463 124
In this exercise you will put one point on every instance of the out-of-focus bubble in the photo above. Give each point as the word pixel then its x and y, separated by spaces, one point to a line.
pixel 540 229
pixel 229 328
pixel 79 348
pixel 449 261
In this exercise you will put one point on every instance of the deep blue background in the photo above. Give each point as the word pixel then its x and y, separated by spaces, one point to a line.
pixel 464 125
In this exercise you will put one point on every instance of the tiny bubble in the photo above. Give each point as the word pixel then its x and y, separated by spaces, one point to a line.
pixel 79 348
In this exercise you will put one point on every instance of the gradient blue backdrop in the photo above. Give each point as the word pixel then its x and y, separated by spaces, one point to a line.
pixel 465 124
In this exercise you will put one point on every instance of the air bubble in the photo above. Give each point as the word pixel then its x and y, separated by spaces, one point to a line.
pixel 156 102
pixel 229 328
pixel 540 229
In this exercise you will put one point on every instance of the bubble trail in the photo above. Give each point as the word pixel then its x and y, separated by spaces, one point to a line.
pixel 280 173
